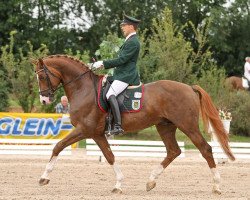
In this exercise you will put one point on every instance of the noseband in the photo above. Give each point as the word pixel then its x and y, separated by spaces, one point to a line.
pixel 51 90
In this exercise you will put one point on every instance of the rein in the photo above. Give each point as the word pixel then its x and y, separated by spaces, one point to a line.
pixel 52 90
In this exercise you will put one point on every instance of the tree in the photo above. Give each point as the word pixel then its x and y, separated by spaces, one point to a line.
pixel 3 90
pixel 230 36
pixel 106 16
pixel 167 55
pixel 20 72
pixel 46 22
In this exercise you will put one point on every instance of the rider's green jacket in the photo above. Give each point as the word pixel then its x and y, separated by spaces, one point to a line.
pixel 125 64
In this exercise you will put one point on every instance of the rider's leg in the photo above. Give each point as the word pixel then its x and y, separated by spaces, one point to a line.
pixel 117 116
pixel 248 81
pixel 115 89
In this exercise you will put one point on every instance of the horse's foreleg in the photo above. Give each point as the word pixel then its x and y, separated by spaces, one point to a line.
pixel 103 144
pixel 167 133
pixel 75 136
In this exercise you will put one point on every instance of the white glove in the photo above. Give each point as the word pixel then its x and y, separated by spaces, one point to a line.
pixel 89 65
pixel 97 65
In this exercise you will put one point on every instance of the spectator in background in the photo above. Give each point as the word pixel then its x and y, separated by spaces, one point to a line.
pixel 247 71
pixel 63 106
pixel 247 68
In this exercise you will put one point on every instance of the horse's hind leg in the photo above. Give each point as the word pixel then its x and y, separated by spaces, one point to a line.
pixel 206 151
pixel 75 136
pixel 167 132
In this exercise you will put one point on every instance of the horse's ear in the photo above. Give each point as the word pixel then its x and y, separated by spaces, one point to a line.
pixel 40 61
pixel 33 61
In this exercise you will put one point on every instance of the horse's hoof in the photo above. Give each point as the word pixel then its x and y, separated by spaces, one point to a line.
pixel 150 185
pixel 117 191
pixel 216 191
pixel 43 181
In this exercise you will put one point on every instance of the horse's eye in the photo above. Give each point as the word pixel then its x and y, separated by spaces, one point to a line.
pixel 41 78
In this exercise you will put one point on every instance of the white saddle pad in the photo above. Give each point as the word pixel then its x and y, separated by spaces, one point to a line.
pixel 245 83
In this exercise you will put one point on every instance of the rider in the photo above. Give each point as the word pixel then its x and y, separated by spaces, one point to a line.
pixel 247 70
pixel 125 72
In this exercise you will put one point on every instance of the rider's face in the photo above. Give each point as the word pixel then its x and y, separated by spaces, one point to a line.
pixel 127 29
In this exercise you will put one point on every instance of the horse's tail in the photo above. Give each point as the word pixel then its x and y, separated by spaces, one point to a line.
pixel 211 114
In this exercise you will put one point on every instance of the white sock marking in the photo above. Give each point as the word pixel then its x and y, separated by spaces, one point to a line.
pixel 49 167
pixel 156 172
pixel 119 176
pixel 216 178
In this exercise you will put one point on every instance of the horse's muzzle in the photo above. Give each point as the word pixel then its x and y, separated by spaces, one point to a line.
pixel 45 100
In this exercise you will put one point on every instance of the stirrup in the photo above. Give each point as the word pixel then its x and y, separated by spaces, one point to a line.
pixel 116 131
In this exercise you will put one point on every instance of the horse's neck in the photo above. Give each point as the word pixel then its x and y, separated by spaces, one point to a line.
pixel 70 70
pixel 79 83
pixel 84 89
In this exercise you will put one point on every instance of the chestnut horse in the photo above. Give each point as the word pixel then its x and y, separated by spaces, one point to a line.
pixel 235 83
pixel 167 104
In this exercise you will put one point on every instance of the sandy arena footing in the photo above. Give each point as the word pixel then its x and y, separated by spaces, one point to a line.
pixel 82 177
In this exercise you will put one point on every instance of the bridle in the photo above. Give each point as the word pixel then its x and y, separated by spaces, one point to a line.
pixel 51 90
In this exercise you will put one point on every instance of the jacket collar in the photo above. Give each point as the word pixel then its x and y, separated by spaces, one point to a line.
pixel 134 33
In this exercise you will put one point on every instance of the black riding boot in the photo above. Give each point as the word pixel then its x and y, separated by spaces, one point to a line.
pixel 117 115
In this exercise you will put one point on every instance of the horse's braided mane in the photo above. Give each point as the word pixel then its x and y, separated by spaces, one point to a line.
pixel 67 56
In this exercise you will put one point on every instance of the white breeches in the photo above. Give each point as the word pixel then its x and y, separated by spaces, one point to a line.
pixel 247 75
pixel 116 88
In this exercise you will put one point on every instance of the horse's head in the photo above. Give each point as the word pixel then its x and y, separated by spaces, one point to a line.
pixel 48 81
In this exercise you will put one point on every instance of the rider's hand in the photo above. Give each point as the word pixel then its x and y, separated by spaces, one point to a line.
pixel 97 65
pixel 89 65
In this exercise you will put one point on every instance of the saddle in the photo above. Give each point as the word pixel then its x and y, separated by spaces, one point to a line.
pixel 130 100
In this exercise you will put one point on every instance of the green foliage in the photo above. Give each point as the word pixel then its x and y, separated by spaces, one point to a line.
pixel 212 80
pixel 81 25
pixel 106 16
pixel 83 56
pixel 230 36
pixel 40 22
pixel 108 49
pixel 201 56
pixel 20 72
pixel 165 52
pixel 3 90
pixel 167 55
pixel 238 104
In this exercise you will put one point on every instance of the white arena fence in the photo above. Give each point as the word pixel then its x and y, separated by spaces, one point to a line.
pixel 132 148
pixel 240 150
pixel 30 147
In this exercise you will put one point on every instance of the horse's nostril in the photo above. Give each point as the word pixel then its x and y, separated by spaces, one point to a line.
pixel 44 102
